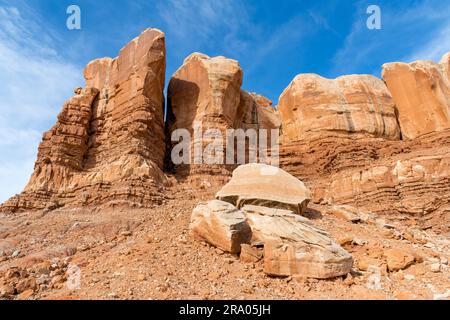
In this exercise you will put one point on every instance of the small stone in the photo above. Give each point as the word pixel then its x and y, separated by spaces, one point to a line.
pixel 432 261
pixel 359 242
pixel 25 284
pixel 346 213
pixel 398 259
pixel 57 281
pixel 405 296
pixel 345 240
pixel 27 294
pixel 349 281
pixel 126 233
pixel 435 267
pixel 251 254
pixel 43 268
pixel 113 295
pixel 6 290
pixel 15 254
pixel 442 296
pixel 367 264
pixel 142 277
pixel 409 277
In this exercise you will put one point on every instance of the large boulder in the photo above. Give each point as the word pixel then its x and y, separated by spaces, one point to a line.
pixel 293 246
pixel 260 184
pixel 359 105
pixel 221 225
pixel 108 145
pixel 421 91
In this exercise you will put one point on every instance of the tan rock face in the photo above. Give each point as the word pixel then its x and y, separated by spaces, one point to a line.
pixel 207 91
pixel 417 185
pixel 256 112
pixel 313 106
pixel 259 184
pixel 293 246
pixel 220 224
pixel 398 259
pixel 108 144
pixel 61 152
pixel 251 253
pixel 421 91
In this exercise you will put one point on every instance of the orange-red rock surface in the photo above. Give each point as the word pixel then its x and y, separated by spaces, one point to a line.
pixel 108 143
pixel 375 156
pixel 208 91
pixel 313 106
pixel 421 92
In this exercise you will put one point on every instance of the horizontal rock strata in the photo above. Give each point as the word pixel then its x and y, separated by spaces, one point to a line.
pixel 108 143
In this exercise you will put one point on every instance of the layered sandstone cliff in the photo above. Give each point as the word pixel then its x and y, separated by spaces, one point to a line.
pixel 354 144
pixel 329 125
pixel 206 92
pixel 355 140
pixel 108 143
pixel 361 105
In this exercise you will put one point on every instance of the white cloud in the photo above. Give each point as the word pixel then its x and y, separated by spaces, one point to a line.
pixel 435 48
pixel 35 81
pixel 226 28
pixel 419 32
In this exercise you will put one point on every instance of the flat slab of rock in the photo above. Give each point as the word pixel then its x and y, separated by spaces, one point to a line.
pixel 221 225
pixel 264 185
pixel 294 246
pixel 346 213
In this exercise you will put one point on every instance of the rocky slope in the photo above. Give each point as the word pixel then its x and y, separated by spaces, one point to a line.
pixel 373 203
pixel 149 254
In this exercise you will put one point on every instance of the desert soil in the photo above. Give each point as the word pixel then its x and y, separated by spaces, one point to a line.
pixel 149 254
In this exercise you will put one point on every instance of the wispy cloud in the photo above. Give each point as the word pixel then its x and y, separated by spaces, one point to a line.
pixel 228 28
pixel 418 32
pixel 207 24
pixel 35 82
pixel 436 47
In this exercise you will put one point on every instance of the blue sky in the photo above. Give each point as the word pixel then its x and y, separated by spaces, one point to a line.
pixel 41 61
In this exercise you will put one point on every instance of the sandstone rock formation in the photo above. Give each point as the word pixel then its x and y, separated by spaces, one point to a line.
pixel 108 144
pixel 207 92
pixel 341 137
pixel 293 246
pixel 259 184
pixel 421 91
pixel 416 185
pixel 220 224
pixel 313 106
